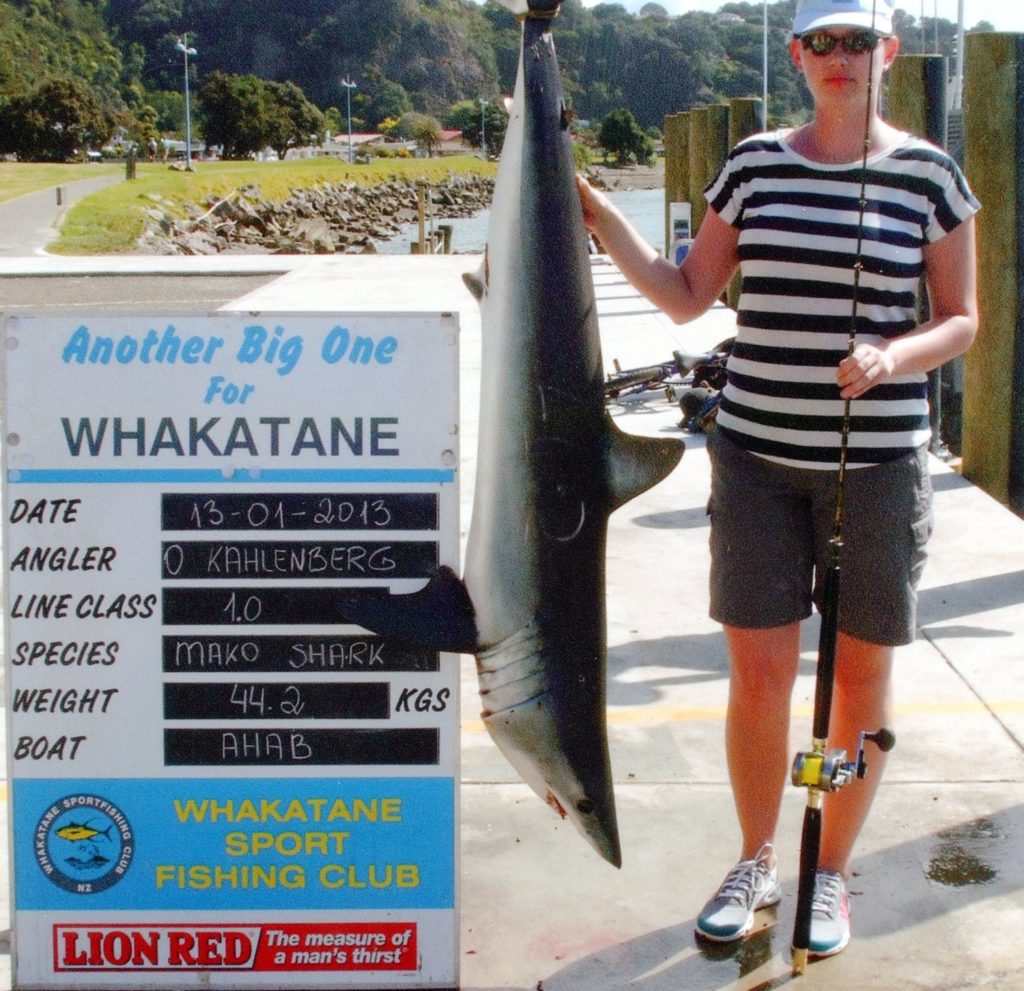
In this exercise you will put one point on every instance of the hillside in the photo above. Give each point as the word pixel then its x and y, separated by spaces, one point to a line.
pixel 421 55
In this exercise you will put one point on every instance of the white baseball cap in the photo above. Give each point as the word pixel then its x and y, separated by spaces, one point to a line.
pixel 874 15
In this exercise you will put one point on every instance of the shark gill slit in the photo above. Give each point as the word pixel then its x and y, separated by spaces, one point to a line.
pixel 512 671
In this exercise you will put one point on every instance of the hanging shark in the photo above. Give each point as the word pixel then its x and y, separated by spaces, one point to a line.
pixel 551 468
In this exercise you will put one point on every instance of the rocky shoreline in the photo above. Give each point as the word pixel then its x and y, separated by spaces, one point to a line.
pixel 628 176
pixel 340 218
pixel 328 219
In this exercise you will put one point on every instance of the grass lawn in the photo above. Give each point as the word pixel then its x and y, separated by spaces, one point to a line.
pixel 110 221
pixel 19 178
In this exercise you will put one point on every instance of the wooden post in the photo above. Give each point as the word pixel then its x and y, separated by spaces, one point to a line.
pixel 744 120
pixel 917 103
pixel 993 432
pixel 709 146
pixel 677 166
pixel 421 211
pixel 917 96
pixel 695 172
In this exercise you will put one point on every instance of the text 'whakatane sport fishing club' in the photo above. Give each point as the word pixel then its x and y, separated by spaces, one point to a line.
pixel 263 436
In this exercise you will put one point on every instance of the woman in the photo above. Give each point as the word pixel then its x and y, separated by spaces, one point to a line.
pixel 786 210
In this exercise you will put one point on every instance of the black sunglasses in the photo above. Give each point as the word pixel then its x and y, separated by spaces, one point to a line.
pixel 855 43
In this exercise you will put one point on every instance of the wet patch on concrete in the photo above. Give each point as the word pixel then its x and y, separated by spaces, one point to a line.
pixel 961 856
pixel 747 954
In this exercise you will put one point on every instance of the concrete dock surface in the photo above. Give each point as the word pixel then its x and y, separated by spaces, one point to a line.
pixel 938 893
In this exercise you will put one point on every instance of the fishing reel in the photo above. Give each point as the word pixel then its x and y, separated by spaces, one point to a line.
pixel 828 771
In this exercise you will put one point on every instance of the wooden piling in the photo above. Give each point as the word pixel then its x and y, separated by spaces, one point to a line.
pixel 917 96
pixel 421 217
pixel 677 166
pixel 993 421
pixel 744 120
pixel 917 103
pixel 709 146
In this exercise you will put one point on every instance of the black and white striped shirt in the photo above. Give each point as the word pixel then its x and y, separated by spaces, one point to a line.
pixel 798 229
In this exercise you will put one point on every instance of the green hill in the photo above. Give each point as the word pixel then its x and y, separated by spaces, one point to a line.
pixel 422 55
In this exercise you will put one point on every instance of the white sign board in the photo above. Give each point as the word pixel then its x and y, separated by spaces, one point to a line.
pixel 680 219
pixel 216 780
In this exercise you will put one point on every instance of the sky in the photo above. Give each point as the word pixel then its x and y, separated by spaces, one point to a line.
pixel 1004 15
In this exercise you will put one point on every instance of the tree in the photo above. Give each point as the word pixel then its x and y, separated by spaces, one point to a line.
pixel 58 120
pixel 464 116
pixel 424 130
pixel 292 120
pixel 622 136
pixel 470 118
pixel 389 99
pixel 236 114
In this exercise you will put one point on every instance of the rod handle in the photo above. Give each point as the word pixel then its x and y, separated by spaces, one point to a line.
pixel 810 847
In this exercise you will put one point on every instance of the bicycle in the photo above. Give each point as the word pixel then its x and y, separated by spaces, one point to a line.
pixel 694 381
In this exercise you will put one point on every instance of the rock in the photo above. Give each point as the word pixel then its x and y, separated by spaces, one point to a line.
pixel 316 233
pixel 343 217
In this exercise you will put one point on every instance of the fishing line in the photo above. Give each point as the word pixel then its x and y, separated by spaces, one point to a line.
pixel 824 686
pixel 818 771
pixel 858 267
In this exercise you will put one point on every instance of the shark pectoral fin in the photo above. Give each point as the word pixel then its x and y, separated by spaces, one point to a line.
pixel 439 615
pixel 636 463
pixel 474 284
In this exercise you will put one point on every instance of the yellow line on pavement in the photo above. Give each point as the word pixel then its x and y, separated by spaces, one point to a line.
pixel 660 715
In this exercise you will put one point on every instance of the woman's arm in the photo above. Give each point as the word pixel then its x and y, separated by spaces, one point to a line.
pixel 682 292
pixel 950 271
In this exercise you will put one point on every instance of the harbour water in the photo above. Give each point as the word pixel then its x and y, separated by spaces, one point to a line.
pixel 644 207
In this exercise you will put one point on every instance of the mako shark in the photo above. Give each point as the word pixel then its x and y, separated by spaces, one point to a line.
pixel 551 468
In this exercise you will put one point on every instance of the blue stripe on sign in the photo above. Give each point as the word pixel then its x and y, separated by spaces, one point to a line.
pixel 170 476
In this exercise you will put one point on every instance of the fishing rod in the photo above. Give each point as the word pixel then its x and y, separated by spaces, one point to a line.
pixel 819 770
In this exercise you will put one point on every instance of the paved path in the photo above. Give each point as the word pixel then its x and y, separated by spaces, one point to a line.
pixel 30 222
pixel 939 888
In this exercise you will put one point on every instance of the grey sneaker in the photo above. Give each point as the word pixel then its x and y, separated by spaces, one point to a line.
pixel 750 885
pixel 830 915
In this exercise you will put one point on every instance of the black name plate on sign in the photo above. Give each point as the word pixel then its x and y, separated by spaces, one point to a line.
pixel 205 747
pixel 274 700
pixel 198 559
pixel 300 511
pixel 301 653
pixel 248 606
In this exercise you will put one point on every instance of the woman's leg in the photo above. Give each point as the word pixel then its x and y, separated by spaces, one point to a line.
pixel 763 668
pixel 862 700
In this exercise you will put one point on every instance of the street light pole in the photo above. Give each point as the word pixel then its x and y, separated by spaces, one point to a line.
pixel 764 72
pixel 182 46
pixel 349 86
pixel 483 128
pixel 958 91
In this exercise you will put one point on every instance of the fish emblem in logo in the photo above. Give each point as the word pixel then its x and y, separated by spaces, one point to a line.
pixel 84 844
pixel 82 832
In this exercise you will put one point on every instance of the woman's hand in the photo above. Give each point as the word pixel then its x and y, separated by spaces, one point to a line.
pixel 593 202
pixel 865 368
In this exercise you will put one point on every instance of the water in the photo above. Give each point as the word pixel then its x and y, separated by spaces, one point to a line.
pixel 645 208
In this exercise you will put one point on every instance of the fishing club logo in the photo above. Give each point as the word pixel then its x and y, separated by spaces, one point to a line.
pixel 84 844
